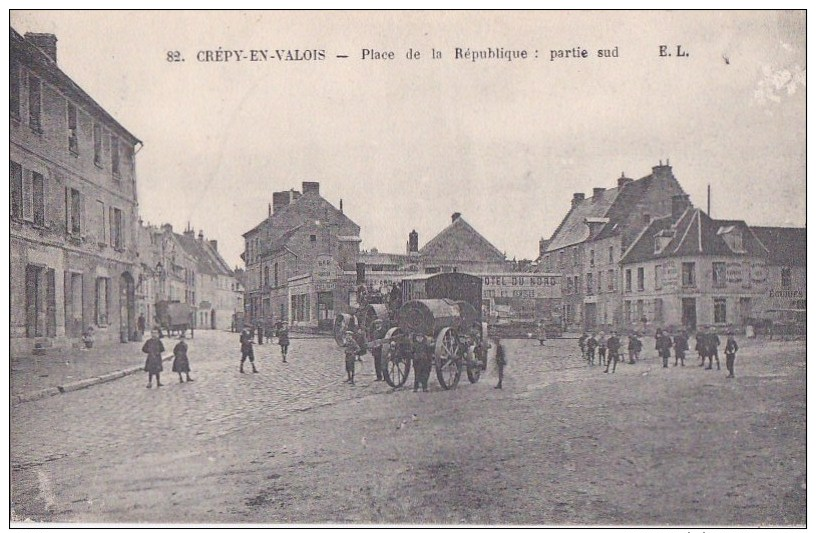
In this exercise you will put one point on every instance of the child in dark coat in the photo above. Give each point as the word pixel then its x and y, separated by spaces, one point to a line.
pixel 730 354
pixel 181 364
pixel 283 341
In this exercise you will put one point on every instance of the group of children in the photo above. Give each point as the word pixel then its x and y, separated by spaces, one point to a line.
pixel 153 364
pixel 608 348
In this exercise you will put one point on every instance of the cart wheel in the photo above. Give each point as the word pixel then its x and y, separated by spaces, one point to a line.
pixel 448 358
pixel 396 359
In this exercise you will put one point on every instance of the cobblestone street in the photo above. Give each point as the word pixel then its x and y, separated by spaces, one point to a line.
pixel 562 443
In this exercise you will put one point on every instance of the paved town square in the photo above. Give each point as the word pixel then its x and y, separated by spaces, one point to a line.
pixel 561 443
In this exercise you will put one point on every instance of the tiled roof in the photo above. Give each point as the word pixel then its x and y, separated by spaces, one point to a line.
pixel 786 246
pixel 279 243
pixel 307 203
pixel 694 233
pixel 207 263
pixel 460 242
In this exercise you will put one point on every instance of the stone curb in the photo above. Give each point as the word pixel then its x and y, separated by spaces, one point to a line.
pixel 78 385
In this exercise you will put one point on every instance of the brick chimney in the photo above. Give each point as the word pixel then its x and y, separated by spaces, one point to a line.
pixel 311 187
pixel 577 198
pixel 280 200
pixel 680 203
pixel 200 235
pixel 542 246
pixel 47 42
pixel 597 192
pixel 456 216
pixel 623 181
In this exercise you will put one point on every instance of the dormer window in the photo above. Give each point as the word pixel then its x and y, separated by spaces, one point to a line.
pixel 732 235
pixel 662 239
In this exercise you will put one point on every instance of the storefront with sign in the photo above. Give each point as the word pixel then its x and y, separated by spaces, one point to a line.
pixel 315 298
pixel 514 297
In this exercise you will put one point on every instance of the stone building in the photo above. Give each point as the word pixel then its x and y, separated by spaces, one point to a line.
pixel 187 268
pixel 787 267
pixel 589 242
pixel 73 206
pixel 688 270
pixel 300 260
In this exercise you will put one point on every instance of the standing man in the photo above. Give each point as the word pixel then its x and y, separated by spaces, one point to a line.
pixel 283 341
pixel 712 345
pixel 260 332
pixel 700 345
pixel 602 348
pixel 613 345
pixel 422 367
pixel 542 333
pixel 501 361
pixel 663 346
pixel 680 348
pixel 730 354
pixel 246 350
pixel 592 343
pixel 378 327
pixel 582 343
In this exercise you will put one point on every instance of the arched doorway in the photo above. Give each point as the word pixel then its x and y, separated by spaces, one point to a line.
pixel 127 307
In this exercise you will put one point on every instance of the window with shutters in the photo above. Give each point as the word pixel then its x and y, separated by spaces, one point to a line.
pixel 101 307
pixel 38 198
pixel 718 274
pixel 719 311
pixel 641 279
pixel 658 310
pixel 97 140
pixel 73 137
pixel 114 156
pixel 589 284
pixel 102 237
pixel 16 189
pixel 14 90
pixel 628 280
pixel 610 280
pixel 35 103
pixel 73 211
pixel 116 228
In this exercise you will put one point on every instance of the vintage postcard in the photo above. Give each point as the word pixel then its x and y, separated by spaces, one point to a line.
pixel 419 268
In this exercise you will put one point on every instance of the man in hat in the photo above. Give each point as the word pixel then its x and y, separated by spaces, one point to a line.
pixel 713 341
pixel 613 346
pixel 663 346
pixel 592 344
pixel 680 348
pixel 247 351
pixel 730 354
pixel 378 332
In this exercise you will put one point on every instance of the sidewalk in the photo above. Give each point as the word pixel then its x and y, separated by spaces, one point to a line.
pixel 38 376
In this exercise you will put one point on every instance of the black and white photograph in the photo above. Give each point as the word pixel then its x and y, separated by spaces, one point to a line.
pixel 419 268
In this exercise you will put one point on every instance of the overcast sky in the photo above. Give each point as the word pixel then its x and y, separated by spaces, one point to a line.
pixel 406 143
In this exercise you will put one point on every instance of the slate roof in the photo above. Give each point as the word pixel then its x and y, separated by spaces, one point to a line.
pixel 693 234
pixel 786 246
pixel 307 203
pixel 460 242
pixel 279 243
pixel 572 229
pixel 208 260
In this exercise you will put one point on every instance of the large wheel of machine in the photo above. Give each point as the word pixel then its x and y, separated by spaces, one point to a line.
pixel 343 322
pixel 396 359
pixel 448 358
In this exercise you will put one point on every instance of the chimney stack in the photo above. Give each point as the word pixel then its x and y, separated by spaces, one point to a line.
pixel 597 192
pixel 662 170
pixel 456 216
pixel 311 187
pixel 200 235
pixel 269 209
pixel 341 205
pixel 623 181
pixel 47 42
pixel 679 204
pixel 577 198
pixel 214 245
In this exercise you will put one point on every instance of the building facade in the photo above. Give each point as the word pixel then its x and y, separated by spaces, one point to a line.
pixel 690 270
pixel 73 207
pixel 588 244
pixel 300 261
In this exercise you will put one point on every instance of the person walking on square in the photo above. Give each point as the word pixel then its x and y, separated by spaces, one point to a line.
pixel 730 354
pixel 378 327
pixel 638 346
pixel 501 361
pixel 663 346
pixel 602 349
pixel 700 346
pixel 260 332
pixel 613 346
pixel 350 348
pixel 247 352
pixel 542 333
pixel 582 343
pixel 592 344
pixel 712 347
pixel 181 364
pixel 153 363
pixel 680 348
pixel 283 341
pixel 630 348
